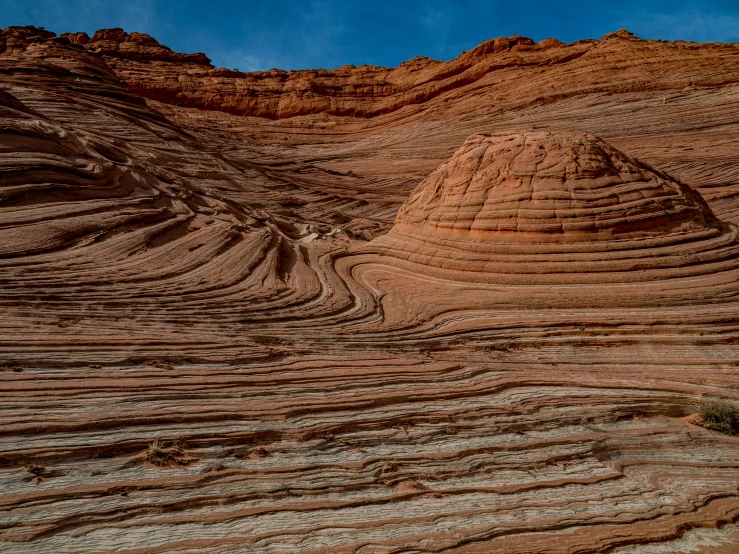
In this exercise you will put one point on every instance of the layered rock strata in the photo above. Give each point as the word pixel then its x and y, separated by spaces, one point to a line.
pixel 194 280
pixel 511 70
pixel 553 202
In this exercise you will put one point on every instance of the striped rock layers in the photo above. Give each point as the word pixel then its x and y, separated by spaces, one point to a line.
pixel 503 372
pixel 553 202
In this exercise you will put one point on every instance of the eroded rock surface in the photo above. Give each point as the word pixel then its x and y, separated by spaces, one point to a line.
pixel 550 186
pixel 553 202
pixel 198 281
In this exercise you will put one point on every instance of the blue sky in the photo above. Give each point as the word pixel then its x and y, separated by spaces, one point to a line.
pixel 255 35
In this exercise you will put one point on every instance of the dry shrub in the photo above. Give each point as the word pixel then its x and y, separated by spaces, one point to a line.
pixel 162 456
pixel 719 416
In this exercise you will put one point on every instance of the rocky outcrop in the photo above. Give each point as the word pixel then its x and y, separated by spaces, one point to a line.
pixel 539 72
pixel 539 186
pixel 553 202
pixel 363 91
pixel 139 47
pixel 502 71
pixel 17 39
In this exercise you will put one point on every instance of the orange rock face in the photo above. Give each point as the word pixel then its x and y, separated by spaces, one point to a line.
pixel 559 186
pixel 286 312
pixel 504 200
pixel 512 70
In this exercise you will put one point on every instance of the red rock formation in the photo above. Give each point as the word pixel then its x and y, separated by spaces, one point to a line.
pixel 17 39
pixel 192 277
pixel 546 186
pixel 506 201
pixel 542 72
pixel 363 91
pixel 140 47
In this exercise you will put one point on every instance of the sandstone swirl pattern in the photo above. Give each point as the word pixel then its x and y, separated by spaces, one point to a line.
pixel 512 368
pixel 561 203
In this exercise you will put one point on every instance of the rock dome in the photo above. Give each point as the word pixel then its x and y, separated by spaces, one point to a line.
pixel 550 183
pixel 505 197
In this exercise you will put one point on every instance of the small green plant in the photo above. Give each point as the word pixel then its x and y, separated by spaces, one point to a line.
pixel 719 416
